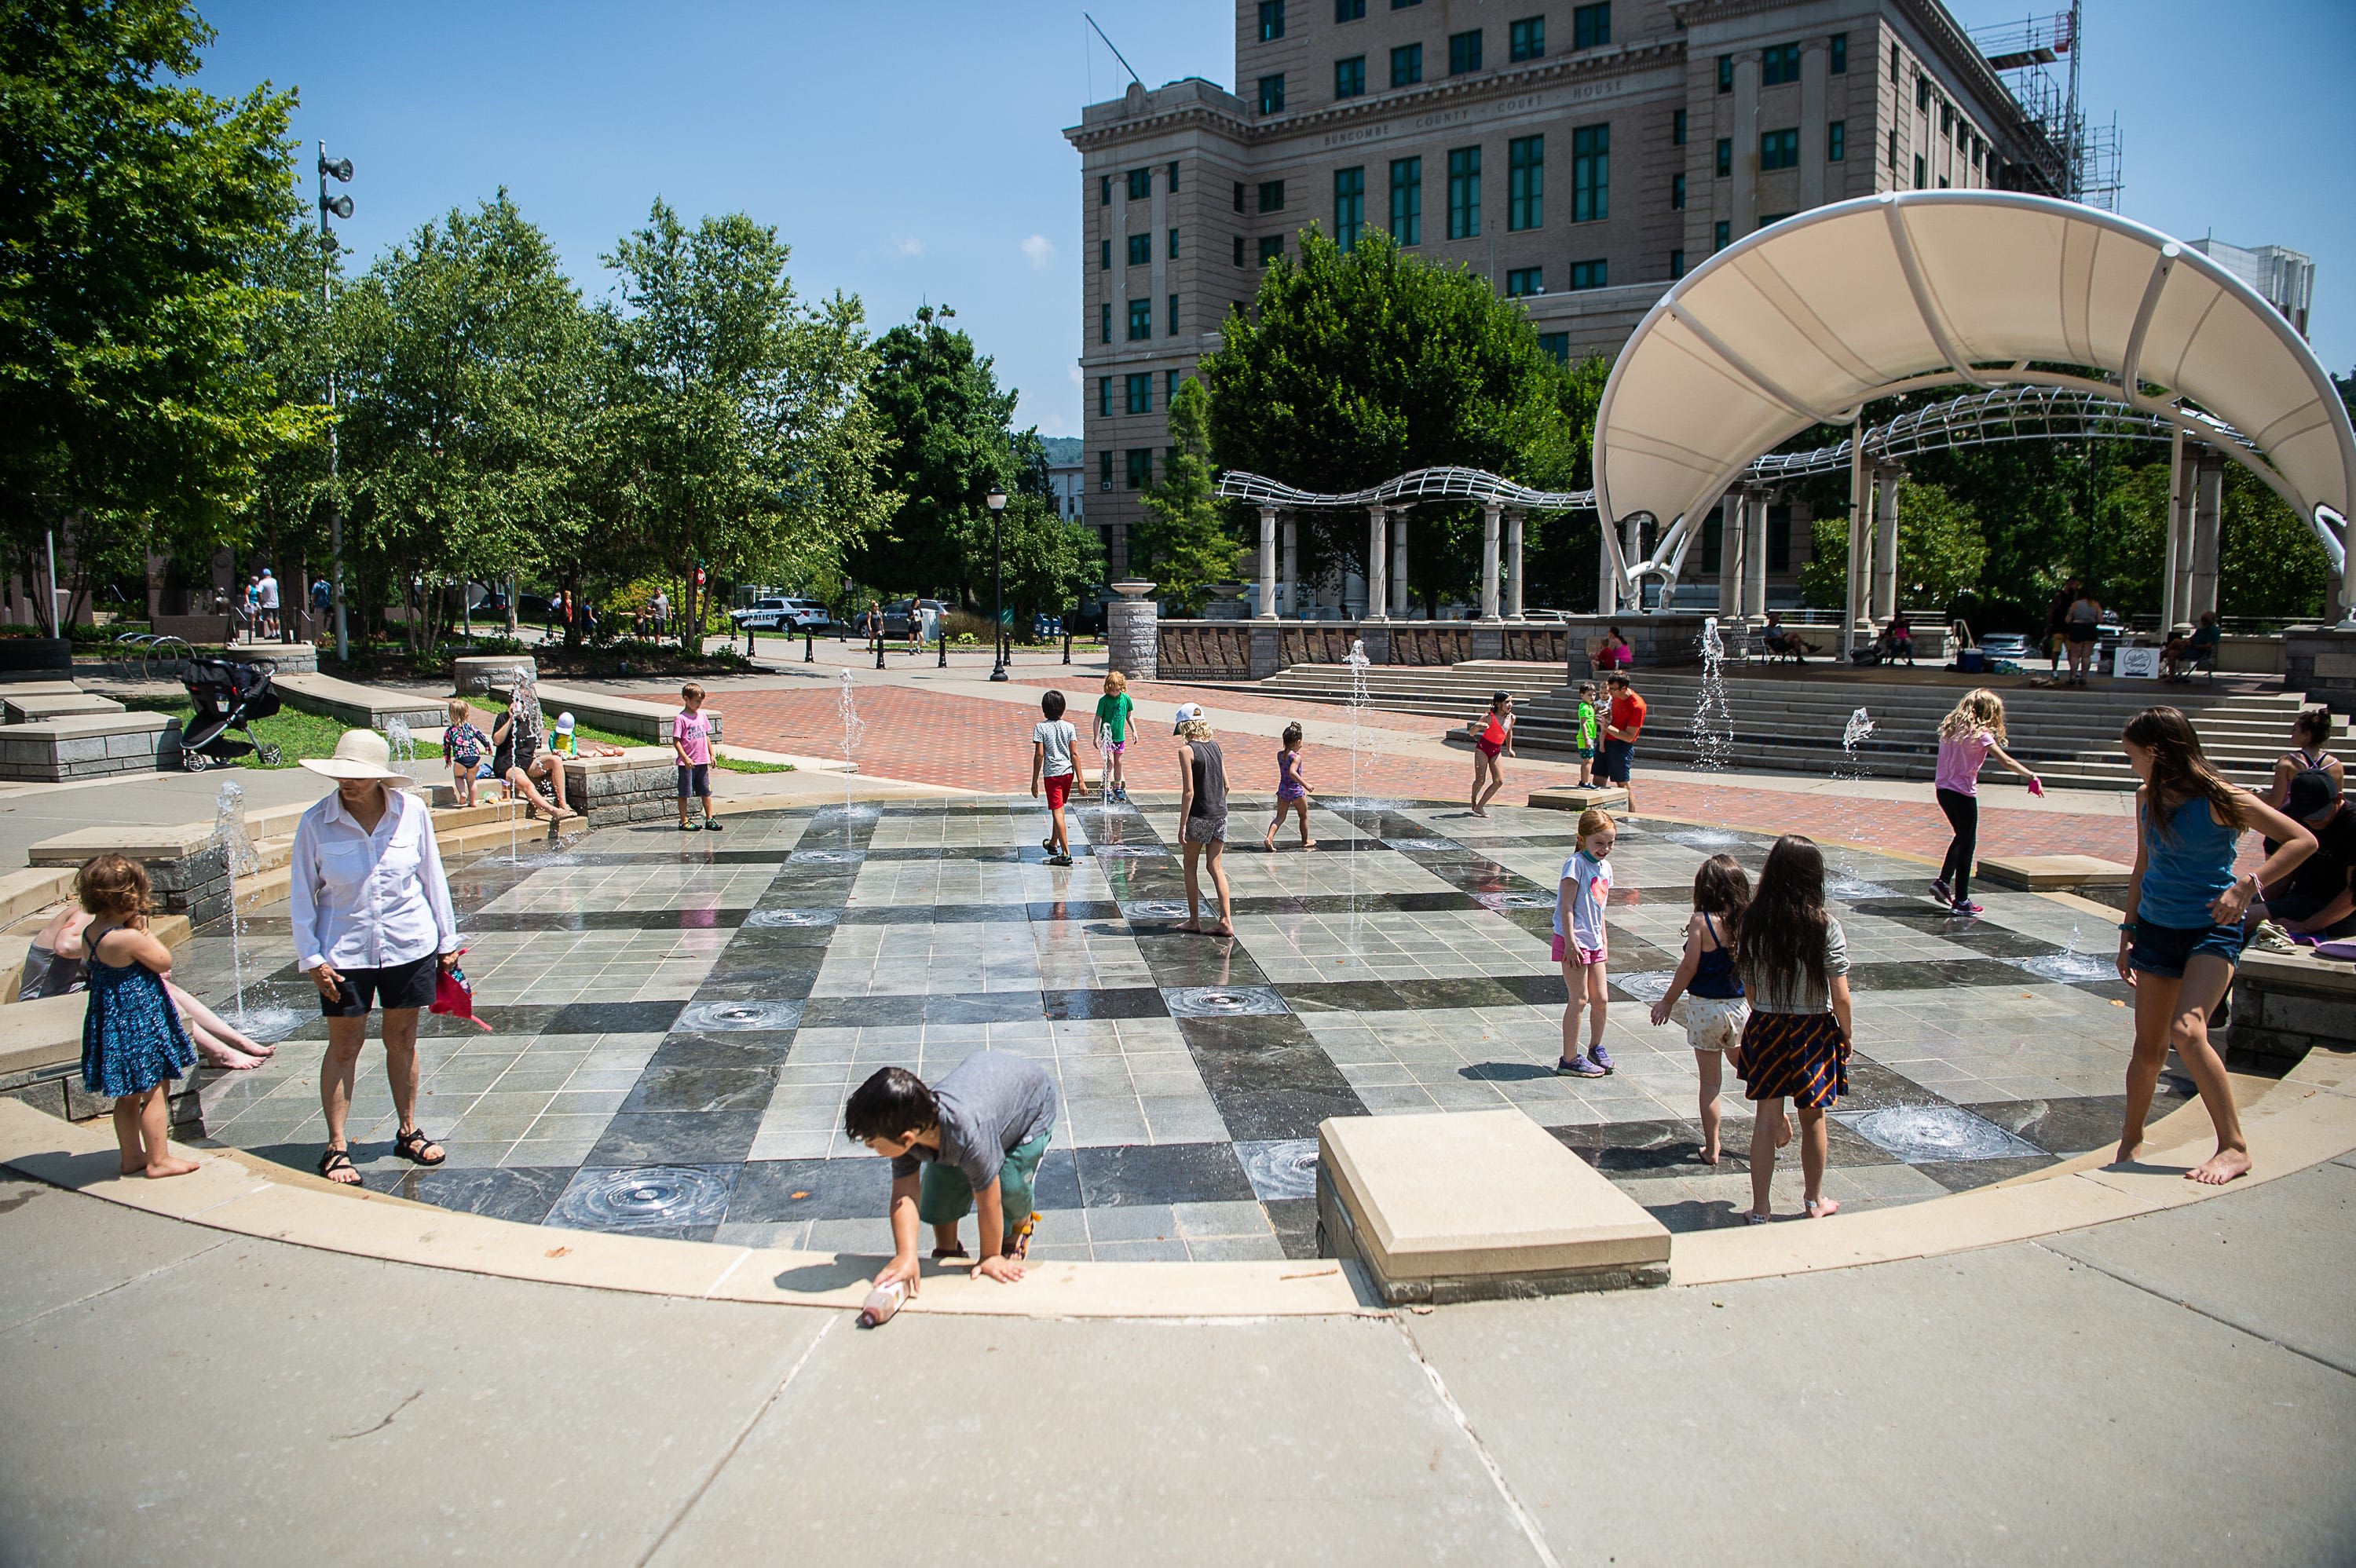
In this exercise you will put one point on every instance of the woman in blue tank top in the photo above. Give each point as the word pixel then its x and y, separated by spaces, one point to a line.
pixel 2183 934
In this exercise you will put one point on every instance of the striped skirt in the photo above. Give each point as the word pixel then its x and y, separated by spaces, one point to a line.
pixel 1802 1056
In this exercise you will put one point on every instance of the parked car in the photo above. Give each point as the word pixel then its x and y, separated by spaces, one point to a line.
pixel 782 614
pixel 895 614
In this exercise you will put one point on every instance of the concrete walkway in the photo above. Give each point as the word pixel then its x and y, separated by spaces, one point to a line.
pixel 2179 1387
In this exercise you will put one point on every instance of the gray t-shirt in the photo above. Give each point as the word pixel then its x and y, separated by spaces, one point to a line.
pixel 991 1104
pixel 1057 737
pixel 1789 994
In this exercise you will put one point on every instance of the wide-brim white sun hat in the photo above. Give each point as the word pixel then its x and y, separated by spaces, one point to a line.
pixel 359 754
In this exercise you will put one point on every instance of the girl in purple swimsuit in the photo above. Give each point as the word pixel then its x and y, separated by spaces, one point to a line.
pixel 1292 791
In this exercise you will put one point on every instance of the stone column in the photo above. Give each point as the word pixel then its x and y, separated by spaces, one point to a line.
pixel 2180 529
pixel 1729 556
pixel 1754 557
pixel 1885 542
pixel 2208 503
pixel 1377 564
pixel 1132 630
pixel 1399 563
pixel 1266 564
pixel 1491 516
pixel 1514 566
pixel 1290 592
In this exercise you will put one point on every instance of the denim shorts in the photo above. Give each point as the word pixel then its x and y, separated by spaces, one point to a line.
pixel 2164 950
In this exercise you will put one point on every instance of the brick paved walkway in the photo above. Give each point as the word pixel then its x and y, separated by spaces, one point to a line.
pixel 969 742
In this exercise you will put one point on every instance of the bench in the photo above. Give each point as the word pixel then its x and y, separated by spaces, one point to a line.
pixel 649 721
pixel 358 707
pixel 32 710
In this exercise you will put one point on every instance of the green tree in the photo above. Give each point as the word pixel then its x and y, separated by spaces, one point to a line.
pixel 1050 561
pixel 458 367
pixel 1184 540
pixel 1356 366
pixel 1941 551
pixel 133 208
pixel 752 445
pixel 947 442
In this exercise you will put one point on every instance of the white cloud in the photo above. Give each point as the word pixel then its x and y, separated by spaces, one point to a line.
pixel 1041 252
pixel 1073 369
pixel 912 247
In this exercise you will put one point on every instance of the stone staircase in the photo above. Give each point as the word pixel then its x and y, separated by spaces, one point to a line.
pixel 1791 720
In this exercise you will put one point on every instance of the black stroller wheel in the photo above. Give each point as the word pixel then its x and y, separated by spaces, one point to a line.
pixel 270 755
pixel 194 761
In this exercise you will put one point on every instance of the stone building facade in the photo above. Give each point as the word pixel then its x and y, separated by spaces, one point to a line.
pixel 1581 158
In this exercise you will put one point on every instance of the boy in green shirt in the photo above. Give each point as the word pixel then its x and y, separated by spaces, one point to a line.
pixel 1113 710
pixel 1587 733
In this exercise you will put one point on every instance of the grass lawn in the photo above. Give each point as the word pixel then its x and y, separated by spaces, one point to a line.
pixel 297 735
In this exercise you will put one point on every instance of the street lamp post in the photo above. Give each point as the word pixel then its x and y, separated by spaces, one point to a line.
pixel 997 500
pixel 340 170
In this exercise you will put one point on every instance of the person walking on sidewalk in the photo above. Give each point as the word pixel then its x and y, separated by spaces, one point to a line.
pixel 1967 737
pixel 371 910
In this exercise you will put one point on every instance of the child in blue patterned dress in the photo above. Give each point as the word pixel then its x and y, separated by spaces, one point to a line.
pixel 132 1041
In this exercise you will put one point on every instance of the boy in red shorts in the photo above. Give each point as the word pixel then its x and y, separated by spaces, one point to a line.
pixel 1053 740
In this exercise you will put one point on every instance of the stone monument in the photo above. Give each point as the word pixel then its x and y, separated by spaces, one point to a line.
pixel 1132 631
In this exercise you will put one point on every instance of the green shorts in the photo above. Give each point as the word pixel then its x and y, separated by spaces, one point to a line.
pixel 945 1196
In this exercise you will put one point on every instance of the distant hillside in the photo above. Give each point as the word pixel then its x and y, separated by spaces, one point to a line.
pixel 1061 448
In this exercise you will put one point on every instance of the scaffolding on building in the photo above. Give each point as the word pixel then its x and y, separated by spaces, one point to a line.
pixel 2039 59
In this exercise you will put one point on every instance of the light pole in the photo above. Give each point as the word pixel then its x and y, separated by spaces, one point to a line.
pixel 340 170
pixel 997 500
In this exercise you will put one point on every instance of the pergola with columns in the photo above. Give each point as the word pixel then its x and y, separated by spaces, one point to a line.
pixel 1803 322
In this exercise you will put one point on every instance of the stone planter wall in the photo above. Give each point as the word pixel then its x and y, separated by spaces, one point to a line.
pixel 90 746
pixel 2285 1005
pixel 283 658
pixel 639 785
pixel 2321 661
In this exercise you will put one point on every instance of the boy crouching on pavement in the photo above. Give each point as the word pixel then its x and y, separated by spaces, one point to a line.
pixel 972 1144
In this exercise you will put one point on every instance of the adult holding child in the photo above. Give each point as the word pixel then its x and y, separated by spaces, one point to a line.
pixel 1625 725
pixel 2181 939
pixel 1202 814
pixel 371 909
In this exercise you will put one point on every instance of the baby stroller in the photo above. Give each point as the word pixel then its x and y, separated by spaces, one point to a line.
pixel 229 695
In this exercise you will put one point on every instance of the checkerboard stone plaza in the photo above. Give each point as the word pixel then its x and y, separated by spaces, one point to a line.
pixel 676 1025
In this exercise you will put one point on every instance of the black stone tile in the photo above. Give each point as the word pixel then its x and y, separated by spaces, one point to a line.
pixel 734 1051
pixel 674 1199
pixel 1846 1146
pixel 1295 1219
pixel 1935 974
pixel 1963 1175
pixel 1057 1183
pixel 1654 1147
pixel 669 1137
pixel 700 1090
pixel 1344 996
pixel 1247 1036
pixel 1427 996
pixel 1074 909
pixel 1290 1113
pixel 1536 990
pixel 1160 1173
pixel 778 1192
pixel 1119 1002
pixel 1185 959
pixel 521 1193
pixel 765 982
pixel 613 1018
pixel 2078 1124
pixel 1874 1087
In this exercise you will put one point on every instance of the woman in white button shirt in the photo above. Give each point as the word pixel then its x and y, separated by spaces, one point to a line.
pixel 372 927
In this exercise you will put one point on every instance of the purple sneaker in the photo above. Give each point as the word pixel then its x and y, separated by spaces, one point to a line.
pixel 1942 891
pixel 1966 906
pixel 1577 1067
pixel 1602 1060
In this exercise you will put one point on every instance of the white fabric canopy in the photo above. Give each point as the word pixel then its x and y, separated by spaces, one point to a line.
pixel 1800 322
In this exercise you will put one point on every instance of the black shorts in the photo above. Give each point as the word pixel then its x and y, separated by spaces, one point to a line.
pixel 409 984
pixel 695 780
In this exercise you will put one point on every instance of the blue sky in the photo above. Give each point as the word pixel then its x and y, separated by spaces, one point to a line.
pixel 913 152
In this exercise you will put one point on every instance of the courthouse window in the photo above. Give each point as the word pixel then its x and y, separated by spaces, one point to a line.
pixel 1407 65
pixel 1525 183
pixel 1464 193
pixel 1526 40
pixel 1406 200
pixel 1590 173
pixel 1350 76
pixel 1464 52
pixel 1590 27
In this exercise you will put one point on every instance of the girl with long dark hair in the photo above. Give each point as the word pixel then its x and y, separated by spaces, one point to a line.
pixel 2182 934
pixel 1793 959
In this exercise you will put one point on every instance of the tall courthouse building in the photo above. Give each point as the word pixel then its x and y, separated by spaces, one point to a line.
pixel 1578 156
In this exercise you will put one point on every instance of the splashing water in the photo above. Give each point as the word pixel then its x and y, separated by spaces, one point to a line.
pixel 530 723
pixel 1713 725
pixel 1361 699
pixel 2069 965
pixel 1852 769
pixel 400 743
pixel 265 1024
pixel 853 726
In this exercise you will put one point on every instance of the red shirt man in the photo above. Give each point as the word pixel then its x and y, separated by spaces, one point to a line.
pixel 1620 736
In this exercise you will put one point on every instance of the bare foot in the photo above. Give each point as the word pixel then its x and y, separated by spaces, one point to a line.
pixel 170 1164
pixel 1754 1217
pixel 1708 1155
pixel 1220 928
pixel 1823 1208
pixel 231 1058
pixel 2222 1167
pixel 2129 1147
pixel 1309 843
pixel 1191 926
pixel 1267 845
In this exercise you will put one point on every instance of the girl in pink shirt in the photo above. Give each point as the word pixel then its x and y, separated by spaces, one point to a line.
pixel 1968 737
